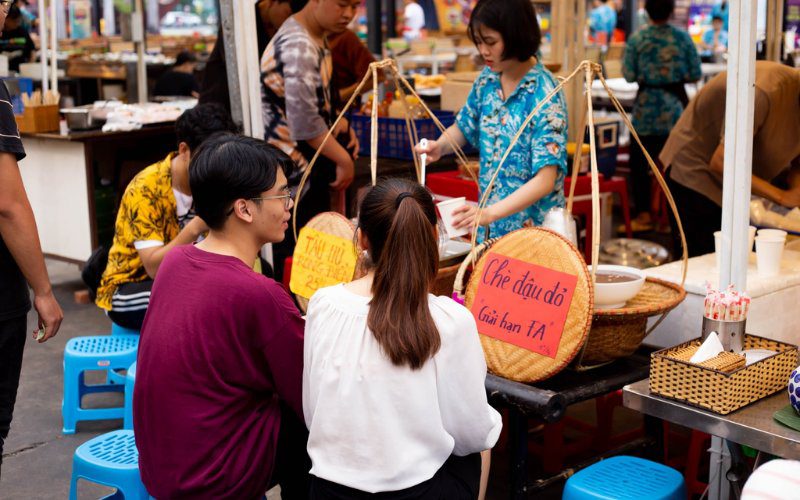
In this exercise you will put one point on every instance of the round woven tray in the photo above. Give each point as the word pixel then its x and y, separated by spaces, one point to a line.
pixel 617 333
pixel 334 224
pixel 548 249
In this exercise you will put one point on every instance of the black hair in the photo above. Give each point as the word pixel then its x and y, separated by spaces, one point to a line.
pixel 228 167
pixel 297 5
pixel 197 124
pixel 659 10
pixel 717 17
pixel 516 22
pixel 183 57
pixel 398 219
pixel 14 13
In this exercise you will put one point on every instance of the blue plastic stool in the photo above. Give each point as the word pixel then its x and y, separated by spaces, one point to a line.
pixel 114 377
pixel 130 380
pixel 626 477
pixel 121 330
pixel 102 352
pixel 110 459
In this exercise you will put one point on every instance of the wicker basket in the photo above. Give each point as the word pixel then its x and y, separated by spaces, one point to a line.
pixel 718 391
pixel 617 333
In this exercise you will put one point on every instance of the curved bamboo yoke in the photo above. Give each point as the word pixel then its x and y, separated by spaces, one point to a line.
pixel 588 69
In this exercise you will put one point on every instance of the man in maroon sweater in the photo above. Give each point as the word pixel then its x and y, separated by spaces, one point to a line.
pixel 218 396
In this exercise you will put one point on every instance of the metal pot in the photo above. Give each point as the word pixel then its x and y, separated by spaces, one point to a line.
pixel 85 117
pixel 640 254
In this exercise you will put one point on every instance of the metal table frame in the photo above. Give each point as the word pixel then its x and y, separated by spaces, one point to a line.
pixel 549 400
pixel 752 425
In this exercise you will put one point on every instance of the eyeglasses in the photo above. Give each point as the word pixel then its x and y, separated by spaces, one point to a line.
pixel 287 196
pixel 6 4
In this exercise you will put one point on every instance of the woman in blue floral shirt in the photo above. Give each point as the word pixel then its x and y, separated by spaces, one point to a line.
pixel 514 81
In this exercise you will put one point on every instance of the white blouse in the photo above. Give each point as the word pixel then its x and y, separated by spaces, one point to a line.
pixel 378 427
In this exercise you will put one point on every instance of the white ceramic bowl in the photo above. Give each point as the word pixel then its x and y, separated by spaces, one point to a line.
pixel 615 295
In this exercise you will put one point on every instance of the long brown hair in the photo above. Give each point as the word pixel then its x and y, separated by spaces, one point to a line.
pixel 398 219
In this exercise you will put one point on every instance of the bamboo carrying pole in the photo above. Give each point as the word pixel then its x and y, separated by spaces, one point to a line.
pixel 590 70
pixel 372 73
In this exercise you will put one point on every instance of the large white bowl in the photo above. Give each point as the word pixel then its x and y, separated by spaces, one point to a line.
pixel 615 295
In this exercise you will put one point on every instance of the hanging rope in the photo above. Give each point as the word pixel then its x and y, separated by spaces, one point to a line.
pixel 372 73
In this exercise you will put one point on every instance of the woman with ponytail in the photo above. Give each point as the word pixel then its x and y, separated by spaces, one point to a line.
pixel 393 378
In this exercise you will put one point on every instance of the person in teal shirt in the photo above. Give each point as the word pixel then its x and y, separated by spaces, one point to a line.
pixel 513 83
pixel 603 21
pixel 715 40
pixel 721 10
pixel 660 59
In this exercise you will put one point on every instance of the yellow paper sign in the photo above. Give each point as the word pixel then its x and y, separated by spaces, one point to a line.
pixel 321 260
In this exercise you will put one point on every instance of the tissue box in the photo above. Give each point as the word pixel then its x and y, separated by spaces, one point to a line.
pixel 718 391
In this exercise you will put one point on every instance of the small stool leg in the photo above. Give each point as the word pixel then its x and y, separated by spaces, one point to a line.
pixel 71 399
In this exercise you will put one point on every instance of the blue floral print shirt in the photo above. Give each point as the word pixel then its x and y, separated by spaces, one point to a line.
pixel 490 123
pixel 659 55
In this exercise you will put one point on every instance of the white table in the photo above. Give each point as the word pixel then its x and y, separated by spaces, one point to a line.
pixel 772 311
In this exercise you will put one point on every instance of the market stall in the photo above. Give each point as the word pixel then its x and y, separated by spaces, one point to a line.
pixel 62 175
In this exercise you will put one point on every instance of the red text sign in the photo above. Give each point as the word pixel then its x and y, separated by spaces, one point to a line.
pixel 523 304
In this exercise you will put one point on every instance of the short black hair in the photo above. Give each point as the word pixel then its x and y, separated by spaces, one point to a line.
pixel 659 10
pixel 516 22
pixel 717 17
pixel 14 13
pixel 197 124
pixel 228 167
pixel 183 57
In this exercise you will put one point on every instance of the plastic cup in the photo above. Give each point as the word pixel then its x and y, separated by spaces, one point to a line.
pixel 769 251
pixel 446 209
pixel 718 248
pixel 773 233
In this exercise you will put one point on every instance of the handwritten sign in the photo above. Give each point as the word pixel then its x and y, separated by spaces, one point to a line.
pixel 321 260
pixel 523 304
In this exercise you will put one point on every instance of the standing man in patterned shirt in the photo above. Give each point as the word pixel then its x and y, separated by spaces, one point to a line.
pixel 21 264
pixel 296 96
pixel 661 59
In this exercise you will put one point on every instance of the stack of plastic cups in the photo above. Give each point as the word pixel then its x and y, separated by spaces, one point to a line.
pixel 769 251
pixel 751 234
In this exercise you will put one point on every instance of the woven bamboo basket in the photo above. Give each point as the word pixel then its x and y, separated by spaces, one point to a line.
pixel 617 333
pixel 548 249
pixel 718 391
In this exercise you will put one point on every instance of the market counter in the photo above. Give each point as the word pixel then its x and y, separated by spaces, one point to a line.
pixel 65 175
pixel 772 312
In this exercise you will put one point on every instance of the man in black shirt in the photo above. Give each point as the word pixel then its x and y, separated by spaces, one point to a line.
pixel 271 14
pixel 16 40
pixel 21 261
pixel 179 81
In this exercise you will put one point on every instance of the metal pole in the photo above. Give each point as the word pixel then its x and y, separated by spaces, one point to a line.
pixel 226 11
pixel 53 45
pixel 391 18
pixel 374 34
pixel 736 181
pixel 137 30
pixel 43 44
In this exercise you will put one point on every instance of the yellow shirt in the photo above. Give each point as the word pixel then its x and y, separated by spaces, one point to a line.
pixel 147 212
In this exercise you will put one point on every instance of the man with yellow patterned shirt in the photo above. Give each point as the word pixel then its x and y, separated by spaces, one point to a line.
pixel 156 214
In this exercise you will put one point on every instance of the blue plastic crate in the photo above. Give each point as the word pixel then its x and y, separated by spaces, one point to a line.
pixel 16 87
pixel 393 141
